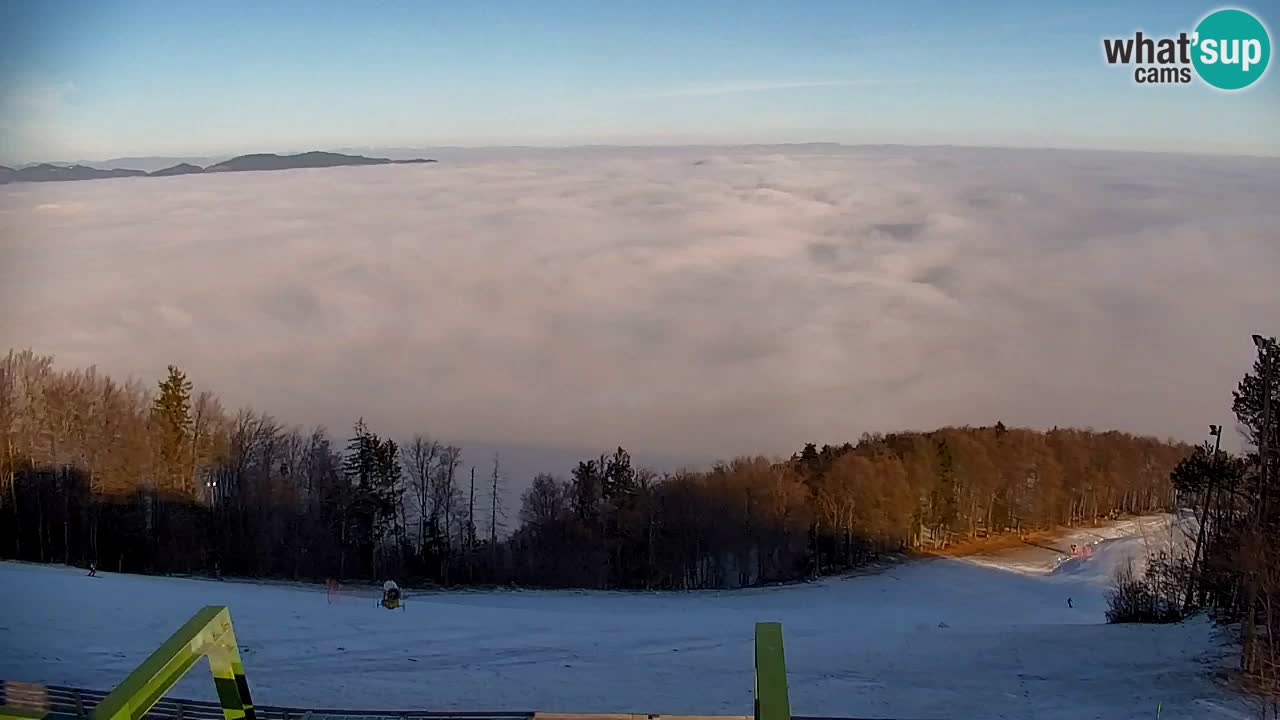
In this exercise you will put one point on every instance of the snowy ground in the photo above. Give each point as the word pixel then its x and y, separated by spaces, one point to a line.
pixel 982 637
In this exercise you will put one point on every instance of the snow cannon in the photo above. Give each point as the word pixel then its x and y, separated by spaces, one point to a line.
pixel 390 595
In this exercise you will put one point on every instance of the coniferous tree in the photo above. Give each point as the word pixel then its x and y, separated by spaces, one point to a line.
pixel 171 415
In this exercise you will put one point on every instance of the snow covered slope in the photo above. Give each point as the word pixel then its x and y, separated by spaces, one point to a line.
pixel 981 637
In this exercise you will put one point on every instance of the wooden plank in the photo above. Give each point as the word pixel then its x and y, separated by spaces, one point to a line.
pixel 14 712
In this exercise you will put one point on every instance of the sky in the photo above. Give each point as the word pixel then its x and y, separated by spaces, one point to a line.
pixel 111 78
pixel 690 304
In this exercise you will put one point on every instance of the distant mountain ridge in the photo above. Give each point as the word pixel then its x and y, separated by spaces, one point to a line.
pixel 50 172
pixel 314 159
pixel 179 169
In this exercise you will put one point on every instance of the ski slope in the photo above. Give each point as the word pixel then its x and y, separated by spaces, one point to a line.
pixel 979 637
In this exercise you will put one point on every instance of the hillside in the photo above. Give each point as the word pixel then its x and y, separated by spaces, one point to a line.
pixel 179 169
pixel 270 161
pixel 49 172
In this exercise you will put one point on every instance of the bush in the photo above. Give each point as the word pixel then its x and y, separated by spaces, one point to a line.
pixel 1155 597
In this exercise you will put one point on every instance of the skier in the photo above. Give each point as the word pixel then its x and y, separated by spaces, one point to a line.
pixel 93 569
pixel 1069 603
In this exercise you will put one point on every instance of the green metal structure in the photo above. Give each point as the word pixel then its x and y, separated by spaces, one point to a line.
pixel 771 674
pixel 209 634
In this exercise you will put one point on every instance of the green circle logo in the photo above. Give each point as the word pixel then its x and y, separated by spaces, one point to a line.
pixel 1232 49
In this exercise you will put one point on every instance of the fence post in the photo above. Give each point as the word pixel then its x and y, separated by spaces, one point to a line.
pixel 771 674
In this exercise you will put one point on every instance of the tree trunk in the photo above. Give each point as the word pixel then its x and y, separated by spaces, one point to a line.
pixel 1192 584
pixel 342 545
pixel 66 520
pixel 471 528
pixel 648 570
pixel 817 548
pixel 17 516
pixel 422 530
pixel 40 522
pixel 13 494
pixel 1249 649
pixel 493 519
pixel 93 533
pixel 448 512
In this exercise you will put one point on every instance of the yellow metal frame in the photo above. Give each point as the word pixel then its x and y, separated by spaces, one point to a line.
pixel 207 634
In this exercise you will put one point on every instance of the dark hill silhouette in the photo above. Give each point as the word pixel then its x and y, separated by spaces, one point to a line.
pixel 50 172
pixel 179 169
pixel 271 161
pixel 47 172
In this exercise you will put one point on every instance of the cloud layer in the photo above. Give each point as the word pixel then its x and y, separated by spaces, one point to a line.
pixel 688 303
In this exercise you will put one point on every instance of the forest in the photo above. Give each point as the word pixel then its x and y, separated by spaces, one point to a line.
pixel 161 478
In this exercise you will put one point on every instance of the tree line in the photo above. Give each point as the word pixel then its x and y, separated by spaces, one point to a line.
pixel 164 479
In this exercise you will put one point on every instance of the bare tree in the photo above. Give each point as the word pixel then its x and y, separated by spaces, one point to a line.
pixel 419 461
pixel 545 501
pixel 446 499
pixel 207 419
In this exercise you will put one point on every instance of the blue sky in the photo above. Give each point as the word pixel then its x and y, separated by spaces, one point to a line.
pixel 94 80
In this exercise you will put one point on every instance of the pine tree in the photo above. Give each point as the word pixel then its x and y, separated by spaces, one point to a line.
pixel 171 418
pixel 1256 391
pixel 372 466
pixel 358 465
pixel 619 478
pixel 387 488
pixel 586 491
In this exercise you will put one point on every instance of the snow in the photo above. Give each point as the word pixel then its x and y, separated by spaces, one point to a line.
pixel 979 637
